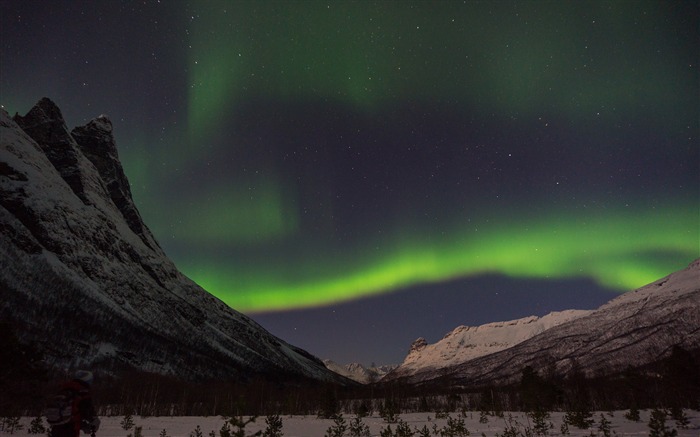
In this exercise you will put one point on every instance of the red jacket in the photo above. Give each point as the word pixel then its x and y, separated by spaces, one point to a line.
pixel 83 410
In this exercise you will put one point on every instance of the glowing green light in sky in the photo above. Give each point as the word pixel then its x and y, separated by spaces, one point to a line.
pixel 605 248
pixel 514 60
pixel 509 57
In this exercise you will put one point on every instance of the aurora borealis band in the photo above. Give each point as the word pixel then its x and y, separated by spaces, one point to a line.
pixel 610 252
pixel 302 154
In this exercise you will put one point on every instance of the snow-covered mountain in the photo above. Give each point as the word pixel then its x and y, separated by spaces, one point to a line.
pixel 81 274
pixel 635 329
pixel 359 373
pixel 469 342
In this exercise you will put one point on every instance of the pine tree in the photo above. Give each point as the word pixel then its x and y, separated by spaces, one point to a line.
pixel 657 425
pixel 540 422
pixel 581 419
pixel 37 426
pixel 680 417
pixel 338 428
pixel 225 430
pixel 604 427
pixel 127 422
pixel 358 428
pixel 273 426
pixel 483 417
pixel 455 428
pixel 403 429
pixel 633 414
pixel 237 426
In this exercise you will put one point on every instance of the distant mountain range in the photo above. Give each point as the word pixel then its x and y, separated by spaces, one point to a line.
pixel 84 278
pixel 358 372
pixel 636 329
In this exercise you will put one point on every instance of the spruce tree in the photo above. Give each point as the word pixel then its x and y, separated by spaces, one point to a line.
pixel 657 425
pixel 273 426
pixel 338 428
pixel 37 426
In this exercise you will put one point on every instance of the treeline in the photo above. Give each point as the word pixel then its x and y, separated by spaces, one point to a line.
pixel 25 384
pixel 146 394
pixel 673 382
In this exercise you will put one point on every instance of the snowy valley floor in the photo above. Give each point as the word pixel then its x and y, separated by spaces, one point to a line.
pixel 309 426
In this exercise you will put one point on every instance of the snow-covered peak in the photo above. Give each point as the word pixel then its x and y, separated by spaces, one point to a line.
pixel 357 372
pixel 468 342
pixel 103 122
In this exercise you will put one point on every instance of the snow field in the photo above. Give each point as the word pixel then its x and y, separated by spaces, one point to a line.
pixel 310 426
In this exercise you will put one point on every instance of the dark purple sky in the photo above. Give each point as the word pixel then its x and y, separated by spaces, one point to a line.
pixel 354 175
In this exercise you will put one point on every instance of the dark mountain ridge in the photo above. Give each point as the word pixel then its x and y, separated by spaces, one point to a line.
pixel 83 277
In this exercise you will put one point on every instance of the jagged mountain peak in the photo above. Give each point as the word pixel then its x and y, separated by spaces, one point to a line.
pixel 101 124
pixel 45 124
pixel 45 110
pixel 83 278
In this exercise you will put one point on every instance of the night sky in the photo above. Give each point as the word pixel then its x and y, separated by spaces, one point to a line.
pixel 354 175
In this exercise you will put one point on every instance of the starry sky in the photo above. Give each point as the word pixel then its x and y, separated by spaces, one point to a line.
pixel 355 174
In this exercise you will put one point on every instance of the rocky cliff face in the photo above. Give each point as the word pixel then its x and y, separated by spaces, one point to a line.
pixel 635 329
pixel 96 142
pixel 83 277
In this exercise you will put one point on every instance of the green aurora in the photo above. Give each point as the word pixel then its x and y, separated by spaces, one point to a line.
pixel 511 57
pixel 606 247
pixel 519 59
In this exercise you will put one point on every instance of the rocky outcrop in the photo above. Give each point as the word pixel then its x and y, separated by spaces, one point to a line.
pixel 96 142
pixel 83 277
pixel 417 346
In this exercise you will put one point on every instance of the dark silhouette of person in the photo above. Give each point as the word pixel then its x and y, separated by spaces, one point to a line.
pixel 83 413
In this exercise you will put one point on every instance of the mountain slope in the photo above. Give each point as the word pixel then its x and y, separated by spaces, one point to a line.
pixel 83 276
pixel 468 342
pixel 635 329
